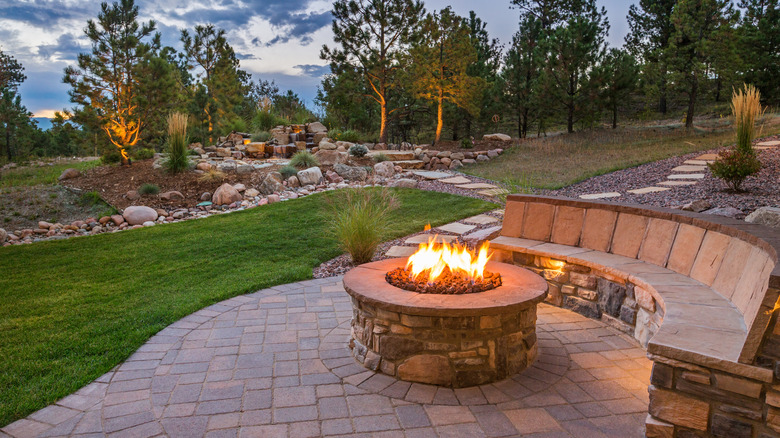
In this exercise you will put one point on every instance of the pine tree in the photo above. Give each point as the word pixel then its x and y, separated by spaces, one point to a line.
pixel 523 63
pixel 693 43
pixel 13 115
pixel 650 27
pixel 439 66
pixel 618 74
pixel 106 83
pixel 372 35
pixel 760 46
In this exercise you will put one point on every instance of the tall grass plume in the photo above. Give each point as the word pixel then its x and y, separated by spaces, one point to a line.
pixel 361 220
pixel 178 160
pixel 747 110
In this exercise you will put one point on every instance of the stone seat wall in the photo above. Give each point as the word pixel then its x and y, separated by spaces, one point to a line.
pixel 698 292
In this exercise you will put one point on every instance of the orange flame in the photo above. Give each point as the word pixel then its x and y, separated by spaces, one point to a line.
pixel 435 258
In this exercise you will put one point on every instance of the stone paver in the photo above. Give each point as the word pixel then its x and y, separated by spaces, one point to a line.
pixel 400 251
pixel 481 219
pixel 771 143
pixel 689 168
pixel 432 174
pixel 275 364
pixel 424 238
pixel 687 176
pixel 476 186
pixel 707 157
pixel 677 183
pixel 600 195
pixel 456 228
pixel 645 190
pixel 492 193
pixel 695 162
pixel 456 180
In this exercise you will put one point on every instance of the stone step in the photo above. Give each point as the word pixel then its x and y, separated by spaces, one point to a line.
pixel 432 174
pixel 600 195
pixel 646 190
pixel 410 164
pixel 394 155
pixel 677 183
pixel 687 176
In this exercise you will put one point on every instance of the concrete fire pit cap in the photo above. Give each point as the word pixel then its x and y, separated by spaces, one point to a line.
pixel 520 289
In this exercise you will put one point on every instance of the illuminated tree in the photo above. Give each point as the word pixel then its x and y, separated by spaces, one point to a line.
pixel 439 65
pixel 373 34
pixel 107 79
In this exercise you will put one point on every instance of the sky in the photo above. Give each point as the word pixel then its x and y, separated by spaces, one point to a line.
pixel 276 40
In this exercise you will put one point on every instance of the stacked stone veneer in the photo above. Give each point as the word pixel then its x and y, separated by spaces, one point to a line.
pixel 454 351
pixel 707 379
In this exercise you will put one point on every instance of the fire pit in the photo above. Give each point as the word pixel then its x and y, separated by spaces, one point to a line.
pixel 452 339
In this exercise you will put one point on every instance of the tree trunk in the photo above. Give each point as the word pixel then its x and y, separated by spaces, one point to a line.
pixel 719 83
pixel 8 142
pixel 570 119
pixel 524 125
pixel 439 117
pixel 691 103
pixel 662 90
pixel 614 117
pixel 383 122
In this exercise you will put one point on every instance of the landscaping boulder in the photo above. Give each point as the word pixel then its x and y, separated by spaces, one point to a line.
pixel 138 214
pixel 273 198
pixel 352 173
pixel 272 183
pixel 405 183
pixel 132 195
pixel 293 181
pixel 226 194
pixel 172 195
pixel 240 187
pixel 205 196
pixel 255 148
pixel 251 193
pixel 482 158
pixel 327 146
pixel 496 137
pixel 724 211
pixel 330 158
pixel 385 169
pixel 697 206
pixel 204 166
pixel 769 216
pixel 312 175
pixel 236 138
pixel 3 235
pixel 316 127
pixel 244 168
pixel 69 173
pixel 118 219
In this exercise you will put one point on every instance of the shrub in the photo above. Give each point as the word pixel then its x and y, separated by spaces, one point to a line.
pixel 178 155
pixel 149 189
pixel 348 135
pixel 212 175
pixel 380 157
pixel 734 166
pixel 264 120
pixel 361 220
pixel 111 157
pixel 304 160
pixel 288 171
pixel 466 143
pixel 143 154
pixel 261 136
pixel 90 198
pixel 358 150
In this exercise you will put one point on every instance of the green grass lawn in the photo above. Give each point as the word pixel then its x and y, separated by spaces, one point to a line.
pixel 73 309
pixel 562 160
pixel 34 175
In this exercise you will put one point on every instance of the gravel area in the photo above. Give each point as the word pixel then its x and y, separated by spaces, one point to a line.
pixel 760 190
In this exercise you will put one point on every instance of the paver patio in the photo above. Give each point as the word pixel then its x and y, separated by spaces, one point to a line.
pixel 275 363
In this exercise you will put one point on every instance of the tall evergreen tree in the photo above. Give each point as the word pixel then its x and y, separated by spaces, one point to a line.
pixel 522 65
pixel 573 50
pixel 439 66
pixel 372 35
pixel 760 46
pixel 692 44
pixel 106 83
pixel 650 27
pixel 13 115
pixel 617 74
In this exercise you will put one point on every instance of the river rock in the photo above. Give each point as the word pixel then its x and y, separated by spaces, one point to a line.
pixel 251 193
pixel 697 206
pixel 496 137
pixel 352 173
pixel 272 183
pixel 132 195
pixel 405 183
pixel 240 187
pixel 769 216
pixel 172 195
pixel 205 196
pixel 138 214
pixel 293 181
pixel 3 235
pixel 69 173
pixel 118 219
pixel 226 194
pixel 724 211
pixel 204 166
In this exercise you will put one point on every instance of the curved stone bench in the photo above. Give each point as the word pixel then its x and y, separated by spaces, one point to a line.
pixel 699 292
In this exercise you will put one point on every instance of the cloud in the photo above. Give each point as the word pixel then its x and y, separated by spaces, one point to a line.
pixel 313 70
pixel 66 47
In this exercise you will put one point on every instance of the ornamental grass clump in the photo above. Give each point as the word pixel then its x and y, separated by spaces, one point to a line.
pixel 178 156
pixel 304 160
pixel 361 220
pixel 735 165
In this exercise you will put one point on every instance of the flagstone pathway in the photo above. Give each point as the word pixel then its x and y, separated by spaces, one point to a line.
pixel 275 364
pixel 686 174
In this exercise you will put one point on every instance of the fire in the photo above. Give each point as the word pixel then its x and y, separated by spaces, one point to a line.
pixel 435 258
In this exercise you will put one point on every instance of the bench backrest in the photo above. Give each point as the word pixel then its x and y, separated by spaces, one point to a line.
pixel 737 259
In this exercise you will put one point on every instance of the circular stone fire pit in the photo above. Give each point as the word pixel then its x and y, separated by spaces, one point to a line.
pixel 448 340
